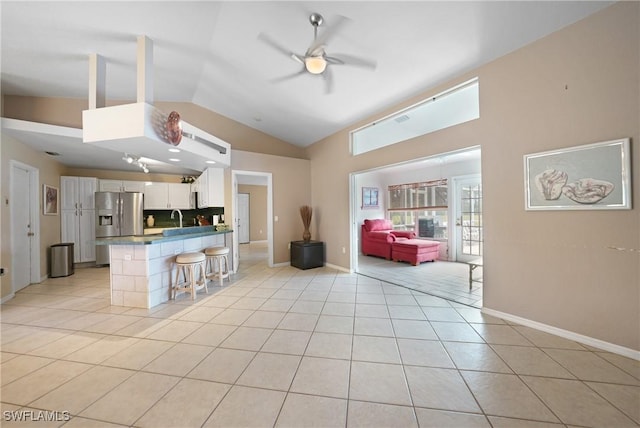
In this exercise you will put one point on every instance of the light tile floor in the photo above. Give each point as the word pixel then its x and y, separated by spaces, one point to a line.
pixel 292 348
pixel 449 280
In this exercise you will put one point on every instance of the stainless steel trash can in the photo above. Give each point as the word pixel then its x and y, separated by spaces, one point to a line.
pixel 61 260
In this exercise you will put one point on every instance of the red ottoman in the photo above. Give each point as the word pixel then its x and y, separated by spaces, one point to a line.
pixel 415 251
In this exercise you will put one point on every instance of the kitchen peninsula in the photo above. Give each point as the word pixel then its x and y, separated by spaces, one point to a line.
pixel 141 267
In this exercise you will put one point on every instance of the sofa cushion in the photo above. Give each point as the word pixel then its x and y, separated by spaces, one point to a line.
pixel 378 224
pixel 381 235
pixel 408 234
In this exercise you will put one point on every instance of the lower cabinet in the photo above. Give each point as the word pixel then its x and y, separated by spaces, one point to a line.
pixel 79 227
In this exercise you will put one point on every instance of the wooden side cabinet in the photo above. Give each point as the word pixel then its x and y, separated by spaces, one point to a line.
pixel 307 255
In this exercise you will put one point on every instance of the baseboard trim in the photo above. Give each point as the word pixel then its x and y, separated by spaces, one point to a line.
pixel 283 264
pixel 258 242
pixel 336 267
pixel 576 337
pixel 7 298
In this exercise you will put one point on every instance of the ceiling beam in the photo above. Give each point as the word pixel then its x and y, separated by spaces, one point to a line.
pixel 97 81
pixel 145 70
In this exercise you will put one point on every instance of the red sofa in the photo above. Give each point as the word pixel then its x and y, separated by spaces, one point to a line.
pixel 378 235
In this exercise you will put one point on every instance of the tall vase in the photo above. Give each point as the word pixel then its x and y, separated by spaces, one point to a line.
pixel 306 212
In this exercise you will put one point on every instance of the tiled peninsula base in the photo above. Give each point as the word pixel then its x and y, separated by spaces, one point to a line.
pixel 141 275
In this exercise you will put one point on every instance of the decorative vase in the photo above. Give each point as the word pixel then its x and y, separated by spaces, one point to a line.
pixel 305 212
pixel 150 221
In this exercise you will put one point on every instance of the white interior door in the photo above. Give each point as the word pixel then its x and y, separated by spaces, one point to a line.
pixel 243 218
pixel 22 228
pixel 469 230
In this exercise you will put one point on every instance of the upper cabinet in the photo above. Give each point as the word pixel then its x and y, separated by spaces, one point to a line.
pixel 210 188
pixel 121 186
pixel 78 193
pixel 167 196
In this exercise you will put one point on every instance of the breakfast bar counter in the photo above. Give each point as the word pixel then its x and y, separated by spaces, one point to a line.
pixel 141 267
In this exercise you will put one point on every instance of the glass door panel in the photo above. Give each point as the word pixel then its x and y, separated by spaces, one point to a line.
pixel 469 219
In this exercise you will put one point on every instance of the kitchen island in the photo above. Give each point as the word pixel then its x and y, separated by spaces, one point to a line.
pixel 141 267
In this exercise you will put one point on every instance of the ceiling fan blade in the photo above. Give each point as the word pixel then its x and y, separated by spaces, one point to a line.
pixel 288 76
pixel 327 34
pixel 343 59
pixel 328 80
pixel 277 46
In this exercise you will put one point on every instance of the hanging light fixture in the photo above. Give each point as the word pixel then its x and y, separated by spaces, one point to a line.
pixel 315 64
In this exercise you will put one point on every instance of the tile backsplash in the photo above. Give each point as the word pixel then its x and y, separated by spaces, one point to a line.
pixel 163 217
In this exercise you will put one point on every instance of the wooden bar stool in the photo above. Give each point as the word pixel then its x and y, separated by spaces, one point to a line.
pixel 217 263
pixel 186 264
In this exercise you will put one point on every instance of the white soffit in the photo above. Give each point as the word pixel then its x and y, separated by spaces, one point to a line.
pixel 138 129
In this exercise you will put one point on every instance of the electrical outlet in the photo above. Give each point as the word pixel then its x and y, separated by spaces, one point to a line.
pixel 176 251
pixel 289 246
pixel 275 218
pixel 344 250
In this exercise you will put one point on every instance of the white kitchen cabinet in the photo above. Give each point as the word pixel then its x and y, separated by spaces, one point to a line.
pixel 79 227
pixel 77 192
pixel 78 216
pixel 167 196
pixel 210 188
pixel 121 186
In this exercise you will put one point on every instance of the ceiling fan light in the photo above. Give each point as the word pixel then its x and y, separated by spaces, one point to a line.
pixel 315 64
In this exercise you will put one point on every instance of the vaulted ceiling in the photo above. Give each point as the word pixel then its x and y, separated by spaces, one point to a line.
pixel 210 53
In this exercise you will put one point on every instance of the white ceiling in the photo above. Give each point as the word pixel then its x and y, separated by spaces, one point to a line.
pixel 209 53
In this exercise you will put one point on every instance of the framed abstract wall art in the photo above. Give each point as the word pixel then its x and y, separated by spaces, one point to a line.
pixel 49 200
pixel 588 177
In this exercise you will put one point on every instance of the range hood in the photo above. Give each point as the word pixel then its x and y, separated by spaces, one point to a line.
pixel 140 129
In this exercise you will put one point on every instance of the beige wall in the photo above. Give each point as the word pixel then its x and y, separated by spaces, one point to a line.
pixel 577 86
pixel 257 211
pixel 49 173
pixel 291 184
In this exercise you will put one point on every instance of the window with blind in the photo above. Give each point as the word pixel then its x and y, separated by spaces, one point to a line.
pixel 421 207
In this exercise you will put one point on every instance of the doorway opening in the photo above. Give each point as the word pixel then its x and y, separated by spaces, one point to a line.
pixel 25 225
pixel 448 277
pixel 252 214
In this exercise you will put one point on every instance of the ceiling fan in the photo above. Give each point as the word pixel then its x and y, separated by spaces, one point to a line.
pixel 315 61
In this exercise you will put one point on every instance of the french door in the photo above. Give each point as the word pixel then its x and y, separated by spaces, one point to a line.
pixel 469 230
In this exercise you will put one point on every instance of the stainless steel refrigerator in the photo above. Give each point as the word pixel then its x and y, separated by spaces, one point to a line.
pixel 117 214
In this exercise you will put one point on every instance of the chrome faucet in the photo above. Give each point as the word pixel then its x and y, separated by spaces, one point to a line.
pixel 179 214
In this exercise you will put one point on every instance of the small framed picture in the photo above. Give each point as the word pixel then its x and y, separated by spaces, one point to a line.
pixel 50 200
pixel 588 177
pixel 370 197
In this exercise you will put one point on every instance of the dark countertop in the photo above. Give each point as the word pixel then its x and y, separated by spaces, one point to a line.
pixel 165 236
